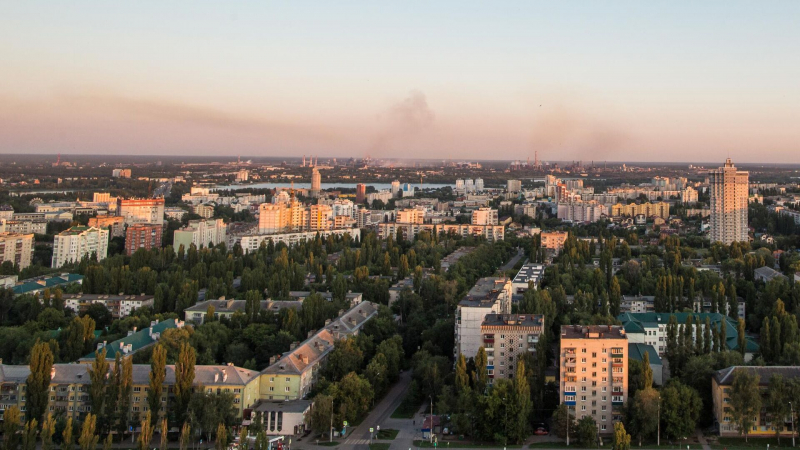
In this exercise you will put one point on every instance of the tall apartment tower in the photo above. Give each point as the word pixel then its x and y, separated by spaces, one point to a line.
pixel 594 373
pixel 361 193
pixel 729 193
pixel 316 181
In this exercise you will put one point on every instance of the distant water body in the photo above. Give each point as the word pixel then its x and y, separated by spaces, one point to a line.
pixel 377 186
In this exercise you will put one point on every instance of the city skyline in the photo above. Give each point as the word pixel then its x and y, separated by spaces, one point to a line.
pixel 616 81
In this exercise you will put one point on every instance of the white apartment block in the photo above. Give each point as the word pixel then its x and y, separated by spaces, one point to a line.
pixel 141 211
pixel 76 243
pixel 200 233
pixel 488 296
pixel 484 216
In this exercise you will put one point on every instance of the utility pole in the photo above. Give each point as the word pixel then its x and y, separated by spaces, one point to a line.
pixel 505 424
pixel 330 434
pixel 791 409
pixel 430 434
pixel 658 439
pixel 568 419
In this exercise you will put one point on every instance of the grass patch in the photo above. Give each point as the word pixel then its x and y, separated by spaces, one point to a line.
pixel 752 442
pixel 407 408
pixel 461 444
pixel 387 434
pixel 380 446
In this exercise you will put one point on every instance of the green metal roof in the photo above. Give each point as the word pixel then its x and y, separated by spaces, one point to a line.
pixel 138 340
pixel 637 322
pixel 36 285
pixel 637 351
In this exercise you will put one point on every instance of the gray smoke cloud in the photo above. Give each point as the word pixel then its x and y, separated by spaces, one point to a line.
pixel 402 123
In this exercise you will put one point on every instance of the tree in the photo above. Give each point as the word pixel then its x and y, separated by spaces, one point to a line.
pixel 462 379
pixel 481 375
pixel 622 440
pixel 645 413
pixel 184 378
pixel 29 435
pixel 562 421
pixel 11 420
pixel 647 372
pixel 124 390
pixel 586 432
pixel 680 409
pixel 745 400
pixel 520 414
pixel 164 430
pixel 777 403
pixel 186 434
pixel 146 434
pixel 38 382
pixel 252 304
pixel 98 377
pixel 108 442
pixel 158 372
pixel 346 357
pixel 741 338
pixel 67 436
pixel 222 437
pixel 48 430
pixel 88 438
pixel 321 413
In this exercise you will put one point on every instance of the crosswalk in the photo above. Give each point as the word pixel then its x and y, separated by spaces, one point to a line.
pixel 354 441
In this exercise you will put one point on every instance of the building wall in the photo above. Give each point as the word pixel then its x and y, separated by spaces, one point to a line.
pixel 729 197
pixel 17 248
pixel 142 236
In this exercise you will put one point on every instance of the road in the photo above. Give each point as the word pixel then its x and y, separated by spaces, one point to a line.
pixel 510 265
pixel 358 439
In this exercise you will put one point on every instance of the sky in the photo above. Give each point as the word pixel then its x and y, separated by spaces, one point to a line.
pixel 463 80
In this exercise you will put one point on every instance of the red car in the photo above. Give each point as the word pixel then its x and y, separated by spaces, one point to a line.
pixel 541 431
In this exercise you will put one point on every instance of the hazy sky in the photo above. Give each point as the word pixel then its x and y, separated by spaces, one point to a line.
pixel 591 80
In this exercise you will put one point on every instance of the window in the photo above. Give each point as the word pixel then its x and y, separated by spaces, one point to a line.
pixel 583 407
pixel 137 389
pixel 603 408
pixel 583 398
pixel 271 379
pixel 605 350
pixel 272 388
pixel 288 379
pixel 603 427
pixel 583 350
pixel 594 354
pixel 136 399
pixel 583 388
pixel 583 360
pixel 286 388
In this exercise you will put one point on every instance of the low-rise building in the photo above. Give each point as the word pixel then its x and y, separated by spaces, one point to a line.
pixel 283 418
pixel 175 213
pixel 353 298
pixel 767 274
pixel 135 340
pixel 227 308
pixel 507 338
pixel 529 275
pixel 721 384
pixel 34 286
pixel 120 306
pixel 636 352
pixel 594 373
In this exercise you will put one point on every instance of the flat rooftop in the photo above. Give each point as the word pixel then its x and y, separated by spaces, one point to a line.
pixel 485 292
pixel 593 332
pixel 519 320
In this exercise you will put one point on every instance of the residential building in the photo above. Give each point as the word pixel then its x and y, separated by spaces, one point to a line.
pixel 529 275
pixel 767 274
pixel 410 216
pixel 6 212
pixel 407 190
pixel 204 210
pixel 353 298
pixel 593 360
pixel 660 209
pixel 121 173
pixel 513 186
pixel 553 240
pixel 292 376
pixel 120 306
pixel 251 242
pixel 283 418
pixel 399 287
pixel 175 213
pixel 228 307
pixel 24 226
pixel 78 242
pixel 34 286
pixel 201 233
pixel 721 383
pixel 142 235
pixel 395 189
pixel 114 224
pixel 149 210
pixel 316 182
pixel 384 196
pixel 135 340
pixel 453 258
pixel 484 216
pixel 506 339
pixel 8 281
pixel 581 212
pixel 729 201
pixel 361 193
pixel 689 195
pixel 651 328
pixel 16 248
pixel 488 296
pixel 242 175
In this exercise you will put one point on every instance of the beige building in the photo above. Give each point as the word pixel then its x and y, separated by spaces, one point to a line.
pixel 484 216
pixel 729 197
pixel 76 243
pixel 410 216
pixel 200 233
pixel 294 217
pixel 554 240
pixel 149 210
pixel 114 224
pixel 121 305
pixel 316 181
pixel 17 248
pixel 660 209
pixel 489 296
pixel 593 361
pixel 506 338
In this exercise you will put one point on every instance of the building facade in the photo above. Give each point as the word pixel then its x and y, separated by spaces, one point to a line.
pixel 16 248
pixel 201 233
pixel 488 296
pixel 74 244
pixel 729 194
pixel 507 338
pixel 594 373
pixel 114 224
pixel 142 235
pixel 134 211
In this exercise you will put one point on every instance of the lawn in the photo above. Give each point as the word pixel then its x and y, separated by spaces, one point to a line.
pixel 753 442
pixel 461 444
pixel 407 408
pixel 387 434
pixel 381 446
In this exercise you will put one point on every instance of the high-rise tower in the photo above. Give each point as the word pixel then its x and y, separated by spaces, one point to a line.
pixel 729 194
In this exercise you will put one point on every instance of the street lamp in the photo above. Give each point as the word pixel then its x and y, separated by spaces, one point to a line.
pixel 505 424
pixel 658 436
pixel 791 413
pixel 568 420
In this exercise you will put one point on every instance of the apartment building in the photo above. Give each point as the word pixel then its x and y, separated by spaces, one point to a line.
pixel 226 308
pixel 134 211
pixel 24 226
pixel 489 296
pixel 660 209
pixel 120 306
pixel 251 242
pixel 201 233
pixel 506 338
pixel 16 248
pixel 484 216
pixel 763 425
pixel 292 376
pixel 142 235
pixel 581 212
pixel 729 201
pixel 114 224
pixel 554 240
pixel 529 275
pixel 78 242
pixel 593 361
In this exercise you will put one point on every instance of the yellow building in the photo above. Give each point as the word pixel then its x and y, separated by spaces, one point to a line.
pixel 721 384
pixel 660 209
